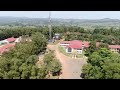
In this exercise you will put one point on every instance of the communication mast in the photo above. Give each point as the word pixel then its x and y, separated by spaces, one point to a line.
pixel 49 26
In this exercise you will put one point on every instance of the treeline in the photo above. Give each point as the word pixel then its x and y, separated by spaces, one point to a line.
pixel 19 31
pixel 108 36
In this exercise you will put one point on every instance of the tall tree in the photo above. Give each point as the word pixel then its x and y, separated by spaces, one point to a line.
pixel 39 41
pixel 102 64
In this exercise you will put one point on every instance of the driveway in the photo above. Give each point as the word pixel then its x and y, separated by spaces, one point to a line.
pixel 71 68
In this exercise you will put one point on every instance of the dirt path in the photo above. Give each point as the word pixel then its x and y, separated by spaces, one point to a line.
pixel 71 69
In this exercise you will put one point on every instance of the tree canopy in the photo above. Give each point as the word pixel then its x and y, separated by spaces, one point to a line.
pixel 52 64
pixel 102 64
pixel 20 62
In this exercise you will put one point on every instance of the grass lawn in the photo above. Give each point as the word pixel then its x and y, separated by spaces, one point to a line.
pixel 54 77
pixel 62 50
pixel 80 55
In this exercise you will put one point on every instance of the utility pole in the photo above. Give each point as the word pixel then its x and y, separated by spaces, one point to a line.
pixel 49 26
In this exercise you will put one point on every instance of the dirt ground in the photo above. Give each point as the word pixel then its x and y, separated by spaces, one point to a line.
pixel 71 68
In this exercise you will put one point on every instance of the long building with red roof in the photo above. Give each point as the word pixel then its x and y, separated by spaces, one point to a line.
pixel 78 46
pixel 75 46
pixel 10 40
pixel 115 48
pixel 6 48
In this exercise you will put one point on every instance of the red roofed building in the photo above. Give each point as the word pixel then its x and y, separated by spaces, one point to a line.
pixel 86 44
pixel 78 46
pixel 65 43
pixel 98 44
pixel 10 40
pixel 75 46
pixel 6 48
pixel 115 48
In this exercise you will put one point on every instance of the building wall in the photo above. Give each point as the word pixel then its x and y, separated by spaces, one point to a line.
pixel 75 51
pixel 57 36
pixel 3 42
pixel 80 51
pixel 63 44
pixel 114 50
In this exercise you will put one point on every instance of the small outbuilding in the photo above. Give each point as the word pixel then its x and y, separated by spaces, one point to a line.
pixel 57 36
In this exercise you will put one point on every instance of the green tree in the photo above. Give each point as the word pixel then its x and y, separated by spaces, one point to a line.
pixel 103 45
pixel 53 65
pixel 91 49
pixel 102 64
pixel 20 62
pixel 40 42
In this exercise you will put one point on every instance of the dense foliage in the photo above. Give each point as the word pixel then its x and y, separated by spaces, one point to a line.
pixel 105 35
pixel 52 64
pixel 19 31
pixel 20 62
pixel 108 36
pixel 91 48
pixel 102 64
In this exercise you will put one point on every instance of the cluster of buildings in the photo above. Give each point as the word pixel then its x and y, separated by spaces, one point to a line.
pixel 7 44
pixel 78 46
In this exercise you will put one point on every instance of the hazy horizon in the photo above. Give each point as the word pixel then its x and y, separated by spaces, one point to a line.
pixel 63 14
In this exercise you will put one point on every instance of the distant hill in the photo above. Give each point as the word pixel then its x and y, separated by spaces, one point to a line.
pixel 58 21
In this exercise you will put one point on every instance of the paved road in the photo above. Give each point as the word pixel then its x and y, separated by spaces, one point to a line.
pixel 71 68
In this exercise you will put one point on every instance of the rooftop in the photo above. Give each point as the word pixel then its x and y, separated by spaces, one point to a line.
pixel 76 44
pixel 114 46
pixel 6 47
pixel 11 39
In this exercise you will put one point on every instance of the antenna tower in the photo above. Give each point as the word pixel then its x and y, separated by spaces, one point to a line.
pixel 49 26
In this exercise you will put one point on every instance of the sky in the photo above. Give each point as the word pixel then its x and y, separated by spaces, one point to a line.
pixel 64 14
